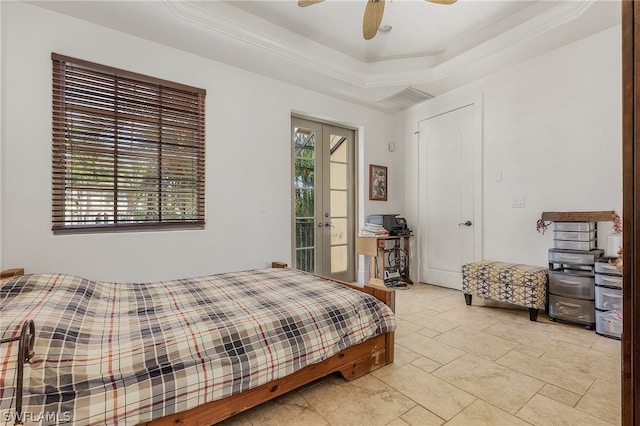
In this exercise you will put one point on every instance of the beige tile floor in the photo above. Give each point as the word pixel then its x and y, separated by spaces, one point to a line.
pixel 485 364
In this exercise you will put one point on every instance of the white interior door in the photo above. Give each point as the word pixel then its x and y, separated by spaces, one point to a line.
pixel 447 216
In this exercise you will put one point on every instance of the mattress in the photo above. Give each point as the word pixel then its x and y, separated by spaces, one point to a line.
pixel 131 352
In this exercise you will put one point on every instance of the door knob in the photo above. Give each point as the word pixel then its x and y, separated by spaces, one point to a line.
pixel 327 224
pixel 467 223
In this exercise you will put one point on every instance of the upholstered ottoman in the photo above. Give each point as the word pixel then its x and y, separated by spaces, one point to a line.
pixel 519 284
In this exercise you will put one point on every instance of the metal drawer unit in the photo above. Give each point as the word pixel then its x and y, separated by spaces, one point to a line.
pixel 571 293
pixel 608 302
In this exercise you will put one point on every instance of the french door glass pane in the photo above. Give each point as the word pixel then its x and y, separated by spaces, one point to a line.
pixel 339 259
pixel 305 203
pixel 338 176
pixel 305 175
pixel 305 260
pixel 339 231
pixel 338 204
pixel 338 148
pixel 305 237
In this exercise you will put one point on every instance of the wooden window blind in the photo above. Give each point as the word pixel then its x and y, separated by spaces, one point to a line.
pixel 128 150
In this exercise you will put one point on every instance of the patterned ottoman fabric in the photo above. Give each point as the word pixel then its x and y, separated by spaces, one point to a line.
pixel 519 284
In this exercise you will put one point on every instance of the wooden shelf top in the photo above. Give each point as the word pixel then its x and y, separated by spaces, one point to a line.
pixel 599 216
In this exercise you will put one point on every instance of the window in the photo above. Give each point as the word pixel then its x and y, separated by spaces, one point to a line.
pixel 128 150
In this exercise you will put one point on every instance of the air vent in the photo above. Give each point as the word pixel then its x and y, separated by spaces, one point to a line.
pixel 406 98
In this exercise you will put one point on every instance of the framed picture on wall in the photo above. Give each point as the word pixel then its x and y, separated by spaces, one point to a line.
pixel 377 182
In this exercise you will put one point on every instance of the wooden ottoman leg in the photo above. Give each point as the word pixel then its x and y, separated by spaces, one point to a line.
pixel 533 314
pixel 467 299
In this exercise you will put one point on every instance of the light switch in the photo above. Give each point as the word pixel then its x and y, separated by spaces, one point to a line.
pixel 263 207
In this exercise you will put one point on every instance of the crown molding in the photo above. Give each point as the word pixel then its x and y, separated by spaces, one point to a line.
pixel 256 33
pixel 217 23
pixel 565 12
pixel 561 14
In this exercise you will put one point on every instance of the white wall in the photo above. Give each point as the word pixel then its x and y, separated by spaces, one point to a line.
pixel 552 125
pixel 248 157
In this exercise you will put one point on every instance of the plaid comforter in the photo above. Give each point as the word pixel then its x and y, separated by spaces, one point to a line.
pixel 127 353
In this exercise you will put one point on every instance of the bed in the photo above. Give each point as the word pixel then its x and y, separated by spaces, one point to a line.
pixel 191 351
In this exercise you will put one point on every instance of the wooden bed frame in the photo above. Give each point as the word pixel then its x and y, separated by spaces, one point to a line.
pixel 351 363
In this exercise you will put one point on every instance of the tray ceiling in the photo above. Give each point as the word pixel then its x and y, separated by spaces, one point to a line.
pixel 433 48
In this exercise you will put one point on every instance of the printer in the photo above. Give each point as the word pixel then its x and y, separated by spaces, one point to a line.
pixel 392 223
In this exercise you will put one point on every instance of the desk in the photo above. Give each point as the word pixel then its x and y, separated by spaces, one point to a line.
pixel 374 247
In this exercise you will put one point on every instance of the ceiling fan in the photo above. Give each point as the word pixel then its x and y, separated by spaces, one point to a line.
pixel 372 14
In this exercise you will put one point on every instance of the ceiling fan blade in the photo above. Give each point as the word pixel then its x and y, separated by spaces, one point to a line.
pixel 442 1
pixel 372 18
pixel 305 3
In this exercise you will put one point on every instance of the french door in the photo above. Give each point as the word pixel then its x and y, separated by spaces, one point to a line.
pixel 323 225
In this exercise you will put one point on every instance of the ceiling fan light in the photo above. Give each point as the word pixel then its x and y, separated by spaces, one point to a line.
pixel 384 28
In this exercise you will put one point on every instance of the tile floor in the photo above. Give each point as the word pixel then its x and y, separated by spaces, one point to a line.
pixel 485 364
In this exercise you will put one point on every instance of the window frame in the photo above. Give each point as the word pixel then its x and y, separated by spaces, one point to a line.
pixel 133 133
